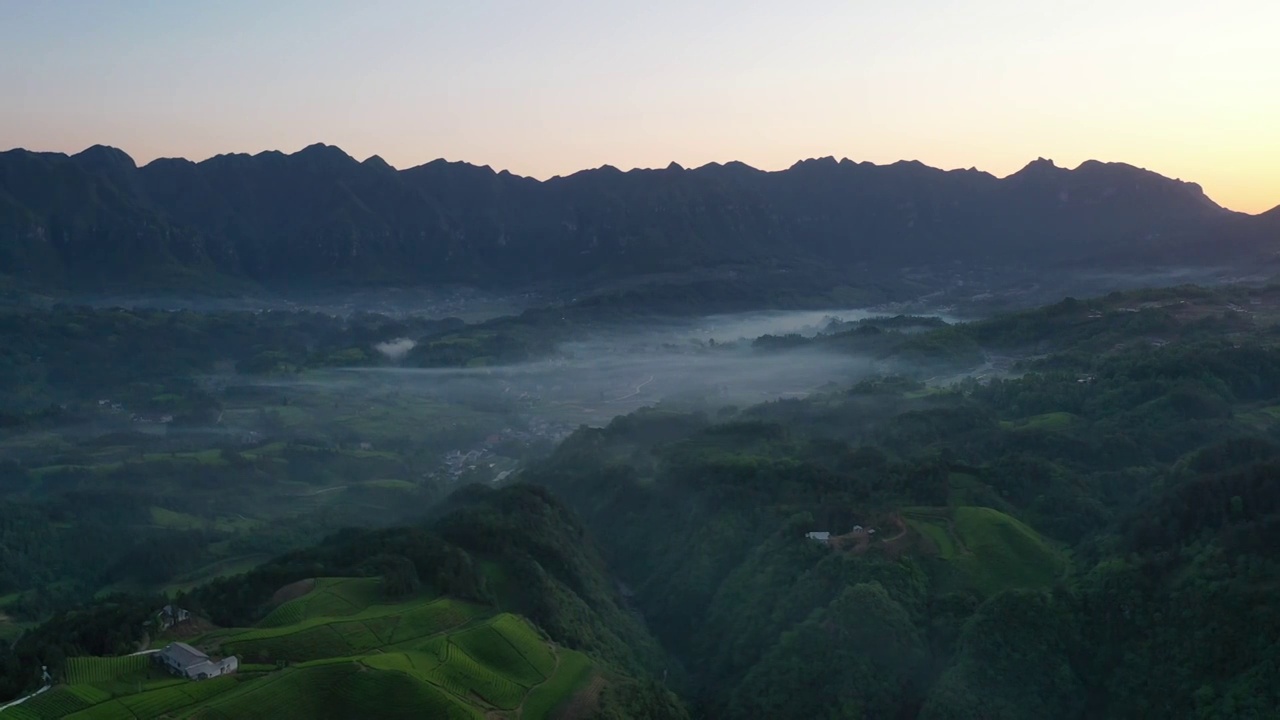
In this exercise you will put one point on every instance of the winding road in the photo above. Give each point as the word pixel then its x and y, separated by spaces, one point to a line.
pixel 21 700
pixel 635 392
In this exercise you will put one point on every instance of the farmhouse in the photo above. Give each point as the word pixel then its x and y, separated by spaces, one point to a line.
pixel 181 659
pixel 171 615
pixel 821 537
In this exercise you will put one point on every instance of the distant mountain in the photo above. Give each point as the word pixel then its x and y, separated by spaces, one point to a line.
pixel 95 221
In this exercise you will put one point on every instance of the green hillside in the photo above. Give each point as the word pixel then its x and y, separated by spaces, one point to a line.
pixel 346 653
pixel 1003 552
pixel 991 550
pixel 328 597
pixel 118 687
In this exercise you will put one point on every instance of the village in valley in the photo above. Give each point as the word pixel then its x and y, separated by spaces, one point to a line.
pixel 485 462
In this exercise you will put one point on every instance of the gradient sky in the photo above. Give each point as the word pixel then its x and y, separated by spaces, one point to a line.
pixel 1188 89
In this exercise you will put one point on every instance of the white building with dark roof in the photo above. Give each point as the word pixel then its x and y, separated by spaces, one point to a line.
pixel 181 659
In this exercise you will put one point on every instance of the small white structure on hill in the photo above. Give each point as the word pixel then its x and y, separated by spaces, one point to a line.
pixel 181 659
pixel 821 537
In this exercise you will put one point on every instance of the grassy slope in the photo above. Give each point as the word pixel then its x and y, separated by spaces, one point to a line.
pixel 330 597
pixel 219 569
pixel 120 687
pixel 1045 421
pixel 574 672
pixel 1004 553
pixel 991 550
pixel 348 655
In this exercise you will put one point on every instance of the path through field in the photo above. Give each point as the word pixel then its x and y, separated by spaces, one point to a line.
pixel 902 528
pixel 21 700
pixel 321 492
pixel 520 710
pixel 635 392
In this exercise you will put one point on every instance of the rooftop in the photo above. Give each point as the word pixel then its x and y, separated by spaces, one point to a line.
pixel 184 655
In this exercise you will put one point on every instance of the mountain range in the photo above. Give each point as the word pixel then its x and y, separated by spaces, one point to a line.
pixel 95 221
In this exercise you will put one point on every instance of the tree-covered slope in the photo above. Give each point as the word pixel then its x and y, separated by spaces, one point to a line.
pixel 1063 541
pixel 402 621
pixel 1065 513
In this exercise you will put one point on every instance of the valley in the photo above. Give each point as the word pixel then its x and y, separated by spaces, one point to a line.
pixel 334 514
pixel 662 361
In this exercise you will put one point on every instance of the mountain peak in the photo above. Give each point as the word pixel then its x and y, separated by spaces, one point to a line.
pixel 324 153
pixel 822 162
pixel 102 157
pixel 376 161
pixel 1040 169
pixel 1039 165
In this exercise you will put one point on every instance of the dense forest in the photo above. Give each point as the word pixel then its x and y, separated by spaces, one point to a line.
pixel 1089 538
pixel 1067 512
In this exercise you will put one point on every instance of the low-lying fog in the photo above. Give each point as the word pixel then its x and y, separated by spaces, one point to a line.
pixel 595 378
pixel 465 303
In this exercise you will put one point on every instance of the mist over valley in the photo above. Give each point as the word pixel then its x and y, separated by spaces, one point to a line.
pixel 568 361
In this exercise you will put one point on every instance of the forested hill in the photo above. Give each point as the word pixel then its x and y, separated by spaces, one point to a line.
pixel 1093 538
pixel 500 608
pixel 96 221
pixel 1065 513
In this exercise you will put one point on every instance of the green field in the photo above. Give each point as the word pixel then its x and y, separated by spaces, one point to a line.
pixel 290 693
pixel 990 549
pixel 354 633
pixel 330 597
pixel 56 703
pixel 339 651
pixel 86 670
pixel 213 571
pixel 937 534
pixel 1044 421
pixel 1261 418
pixel 1003 552
pixel 158 702
pixel 458 673
pixel 574 672
pixel 171 519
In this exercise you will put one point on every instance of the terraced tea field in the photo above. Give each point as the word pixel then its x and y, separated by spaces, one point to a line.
pixel 86 670
pixel 992 551
pixel 359 632
pixel 329 597
pixel 338 652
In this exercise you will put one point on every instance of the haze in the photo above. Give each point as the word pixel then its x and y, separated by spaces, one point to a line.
pixel 1181 88
pixel 597 377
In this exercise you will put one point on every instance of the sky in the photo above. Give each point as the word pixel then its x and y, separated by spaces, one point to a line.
pixel 1185 88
